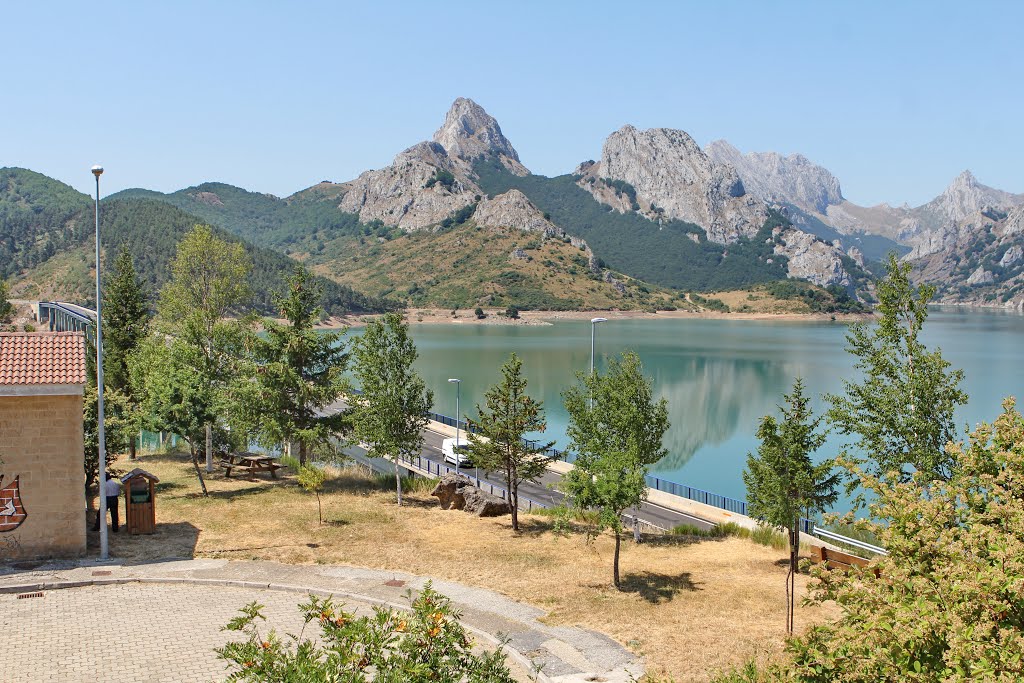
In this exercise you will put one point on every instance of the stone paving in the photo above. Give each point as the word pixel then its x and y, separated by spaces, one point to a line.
pixel 160 621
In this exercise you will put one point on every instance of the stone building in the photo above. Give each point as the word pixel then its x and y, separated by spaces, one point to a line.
pixel 42 480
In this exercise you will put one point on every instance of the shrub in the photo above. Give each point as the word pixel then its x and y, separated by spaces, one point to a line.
pixel 427 644
pixel 479 312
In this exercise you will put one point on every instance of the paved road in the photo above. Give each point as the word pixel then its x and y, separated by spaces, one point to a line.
pixel 545 490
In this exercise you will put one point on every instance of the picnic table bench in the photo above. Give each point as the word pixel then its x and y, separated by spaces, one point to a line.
pixel 250 463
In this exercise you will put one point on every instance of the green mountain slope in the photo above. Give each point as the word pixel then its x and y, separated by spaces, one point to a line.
pixel 262 219
pixel 46 230
pixel 672 254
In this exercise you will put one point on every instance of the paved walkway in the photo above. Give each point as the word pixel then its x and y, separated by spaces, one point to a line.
pixel 160 621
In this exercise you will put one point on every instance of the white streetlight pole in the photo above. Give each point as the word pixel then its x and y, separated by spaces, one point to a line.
pixel 593 329
pixel 101 431
pixel 458 391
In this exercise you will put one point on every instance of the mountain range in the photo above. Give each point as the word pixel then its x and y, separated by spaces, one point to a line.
pixel 460 220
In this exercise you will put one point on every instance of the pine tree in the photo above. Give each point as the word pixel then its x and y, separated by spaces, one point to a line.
pixel 782 481
pixel 391 412
pixel 126 319
pixel 498 444
pixel 616 429
pixel 6 307
pixel 299 372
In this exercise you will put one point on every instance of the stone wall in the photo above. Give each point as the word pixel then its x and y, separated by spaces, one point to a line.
pixel 41 444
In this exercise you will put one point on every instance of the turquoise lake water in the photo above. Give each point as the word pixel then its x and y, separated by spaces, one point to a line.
pixel 719 376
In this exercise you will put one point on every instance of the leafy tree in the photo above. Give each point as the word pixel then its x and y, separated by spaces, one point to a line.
pixel 119 427
pixel 783 482
pixel 312 478
pixel 207 284
pixel 125 324
pixel 902 410
pixel 479 313
pixel 427 645
pixel 947 603
pixel 512 313
pixel 391 412
pixel 298 373
pixel 498 444
pixel 616 428
pixel 6 307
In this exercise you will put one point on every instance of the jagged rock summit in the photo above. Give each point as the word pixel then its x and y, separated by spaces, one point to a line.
pixel 470 133
pixel 774 178
pixel 673 177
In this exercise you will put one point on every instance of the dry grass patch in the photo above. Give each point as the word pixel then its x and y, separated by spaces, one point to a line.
pixel 692 607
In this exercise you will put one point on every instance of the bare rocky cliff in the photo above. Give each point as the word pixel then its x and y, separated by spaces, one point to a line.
pixel 672 177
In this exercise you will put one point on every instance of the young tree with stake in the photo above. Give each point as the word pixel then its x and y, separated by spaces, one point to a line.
pixel 782 481
pixel 616 428
pixel 391 412
pixel 498 443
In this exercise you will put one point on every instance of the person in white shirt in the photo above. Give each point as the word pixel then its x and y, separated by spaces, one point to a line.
pixel 111 488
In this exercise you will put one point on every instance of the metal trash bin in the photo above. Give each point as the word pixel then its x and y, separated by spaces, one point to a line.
pixel 139 503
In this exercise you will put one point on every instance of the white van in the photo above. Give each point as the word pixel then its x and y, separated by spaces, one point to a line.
pixel 456 453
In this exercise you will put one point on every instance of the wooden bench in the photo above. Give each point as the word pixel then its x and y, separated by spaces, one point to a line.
pixel 251 466
pixel 835 559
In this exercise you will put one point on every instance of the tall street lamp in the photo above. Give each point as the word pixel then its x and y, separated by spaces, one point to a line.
pixel 458 390
pixel 593 329
pixel 101 431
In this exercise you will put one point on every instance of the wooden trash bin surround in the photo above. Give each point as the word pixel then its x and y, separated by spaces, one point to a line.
pixel 139 504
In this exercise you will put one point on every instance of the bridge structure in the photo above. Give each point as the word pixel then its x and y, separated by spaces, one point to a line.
pixel 62 316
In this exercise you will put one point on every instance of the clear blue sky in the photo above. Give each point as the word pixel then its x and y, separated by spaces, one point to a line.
pixel 896 98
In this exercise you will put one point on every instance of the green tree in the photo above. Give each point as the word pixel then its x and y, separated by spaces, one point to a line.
pixel 498 444
pixel 901 412
pixel 126 319
pixel 782 481
pixel 947 603
pixel 312 479
pixel 6 307
pixel 616 428
pixel 299 372
pixel 208 282
pixel 391 412
pixel 119 425
pixel 426 645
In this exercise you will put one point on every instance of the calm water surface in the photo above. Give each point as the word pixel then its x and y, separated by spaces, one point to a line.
pixel 719 376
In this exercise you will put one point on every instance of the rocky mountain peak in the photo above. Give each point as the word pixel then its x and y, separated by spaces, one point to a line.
pixel 774 178
pixel 673 177
pixel 469 132
pixel 965 196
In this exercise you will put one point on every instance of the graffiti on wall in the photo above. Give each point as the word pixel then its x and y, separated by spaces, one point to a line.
pixel 12 511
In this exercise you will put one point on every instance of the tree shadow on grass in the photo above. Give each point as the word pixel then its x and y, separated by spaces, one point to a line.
pixel 657 588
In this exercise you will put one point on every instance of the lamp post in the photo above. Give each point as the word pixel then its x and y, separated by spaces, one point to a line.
pixel 593 329
pixel 458 390
pixel 101 451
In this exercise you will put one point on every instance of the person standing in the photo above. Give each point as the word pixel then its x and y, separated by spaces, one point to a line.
pixel 111 488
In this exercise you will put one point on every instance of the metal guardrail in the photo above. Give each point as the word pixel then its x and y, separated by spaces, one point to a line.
pixel 839 538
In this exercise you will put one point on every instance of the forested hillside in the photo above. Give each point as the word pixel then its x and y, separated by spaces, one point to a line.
pixel 47 228
pixel 672 253
pixel 262 219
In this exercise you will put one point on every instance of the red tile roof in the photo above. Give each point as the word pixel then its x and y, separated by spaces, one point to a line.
pixel 42 358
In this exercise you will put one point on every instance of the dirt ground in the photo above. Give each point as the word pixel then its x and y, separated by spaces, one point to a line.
pixel 692 607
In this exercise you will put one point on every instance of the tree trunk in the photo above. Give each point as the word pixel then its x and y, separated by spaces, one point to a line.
pixel 615 565
pixel 199 471
pixel 513 494
pixel 132 454
pixel 209 448
pixel 319 509
pixel 398 482
pixel 302 452
pixel 794 552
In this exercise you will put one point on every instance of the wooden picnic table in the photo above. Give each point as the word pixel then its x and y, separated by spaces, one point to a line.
pixel 251 463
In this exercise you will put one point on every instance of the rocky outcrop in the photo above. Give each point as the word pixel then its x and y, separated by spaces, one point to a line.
pixel 671 176
pixel 775 178
pixel 981 277
pixel 513 209
pixel 456 492
pixel 812 259
pixel 431 180
pixel 470 133
pixel 1011 256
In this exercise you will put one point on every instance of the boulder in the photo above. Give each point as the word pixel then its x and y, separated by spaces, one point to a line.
pixel 456 492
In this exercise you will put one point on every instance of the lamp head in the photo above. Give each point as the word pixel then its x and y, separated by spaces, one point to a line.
pixel 454 381
pixel 97 171
pixel 599 320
